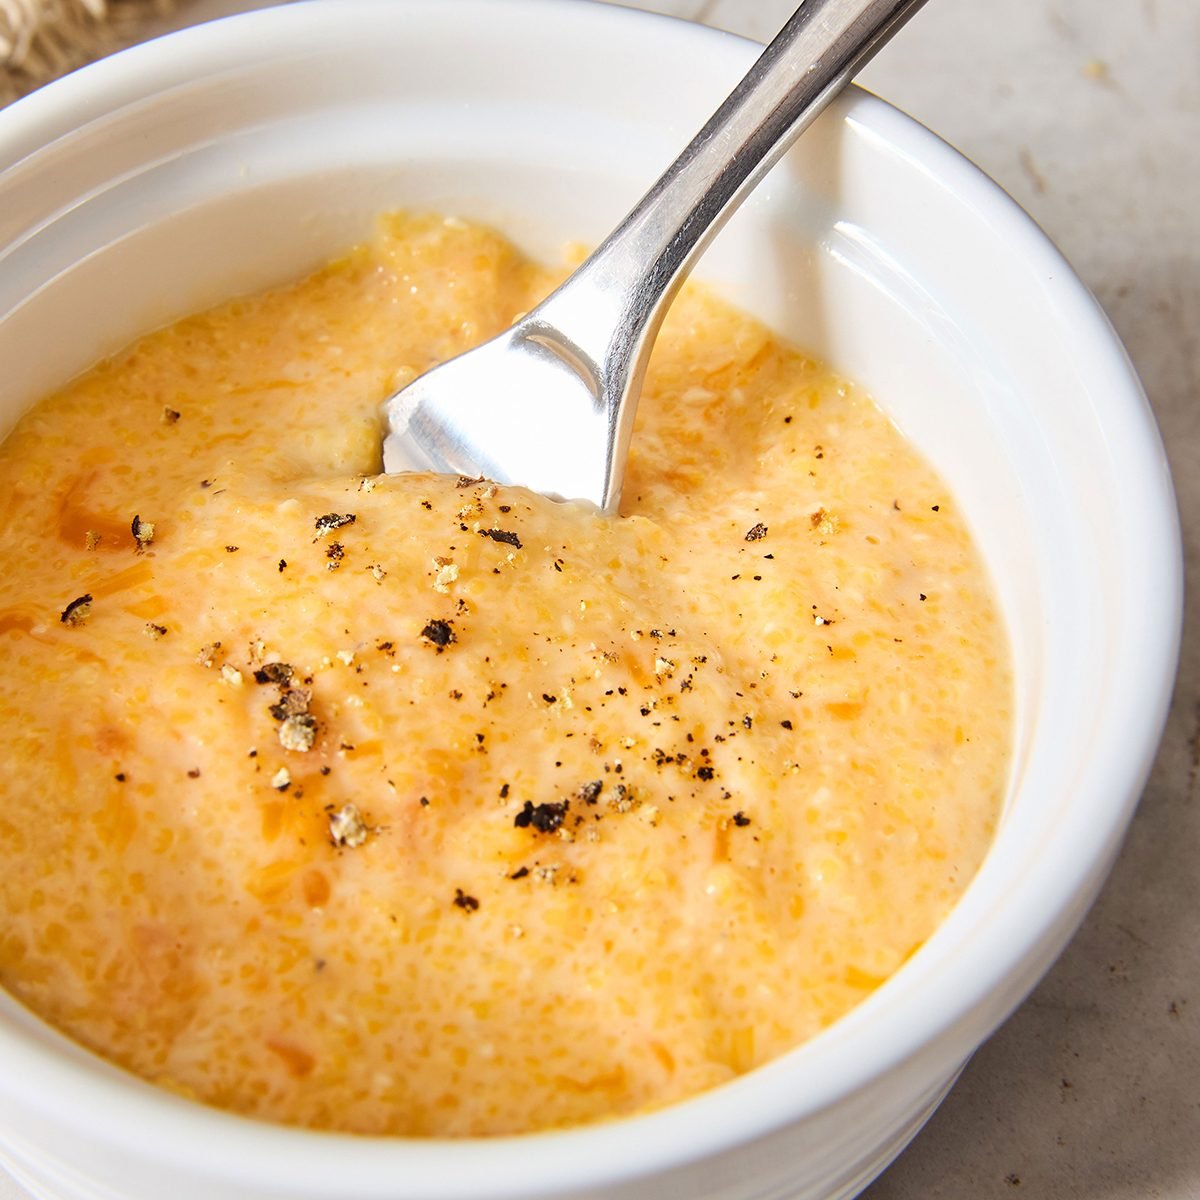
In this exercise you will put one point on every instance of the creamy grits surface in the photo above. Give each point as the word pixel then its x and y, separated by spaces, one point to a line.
pixel 420 806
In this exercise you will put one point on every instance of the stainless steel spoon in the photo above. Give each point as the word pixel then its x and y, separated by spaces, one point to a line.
pixel 550 402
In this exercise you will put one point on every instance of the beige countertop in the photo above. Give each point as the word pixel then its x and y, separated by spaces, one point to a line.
pixel 1088 112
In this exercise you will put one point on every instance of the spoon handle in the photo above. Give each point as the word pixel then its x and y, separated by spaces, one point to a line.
pixel 605 317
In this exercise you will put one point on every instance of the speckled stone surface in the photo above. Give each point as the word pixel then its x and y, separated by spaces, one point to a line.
pixel 1088 112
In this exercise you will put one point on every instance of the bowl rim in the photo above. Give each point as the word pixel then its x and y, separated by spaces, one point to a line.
pixel 121 1108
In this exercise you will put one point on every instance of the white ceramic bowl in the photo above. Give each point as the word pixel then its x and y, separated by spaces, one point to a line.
pixel 238 154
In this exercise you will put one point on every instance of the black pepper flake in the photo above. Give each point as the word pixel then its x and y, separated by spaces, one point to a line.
pixel 274 672
pixel 335 553
pixel 426 505
pixel 465 902
pixel 439 633
pixel 331 521
pixel 424 802
pixel 741 820
pixel 120 776
pixel 519 873
pixel 231 549
pixel 705 773
pixel 549 699
pixel 502 535
pixel 170 416
pixel 920 595
pixel 292 702
pixel 622 800
pixel 504 791
pixel 282 565
pixel 77 611
pixel 545 818
pixel 786 724
pixel 756 533
pixel 506 508
pixel 194 773
pixel 590 792
pixel 326 770
pixel 748 721
pixel 143 532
